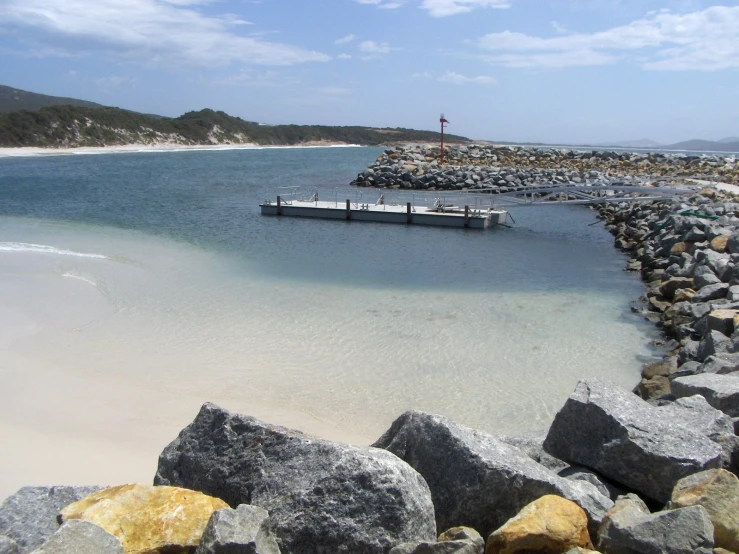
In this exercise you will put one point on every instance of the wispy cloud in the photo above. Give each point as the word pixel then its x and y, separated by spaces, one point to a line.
pixel 561 29
pixel 160 32
pixel 372 47
pixel 345 40
pixel 383 4
pixel 456 79
pixel 444 8
pixel 706 40
pixel 441 8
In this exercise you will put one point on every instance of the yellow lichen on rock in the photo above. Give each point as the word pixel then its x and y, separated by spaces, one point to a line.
pixel 717 490
pixel 550 525
pixel 147 519
pixel 719 243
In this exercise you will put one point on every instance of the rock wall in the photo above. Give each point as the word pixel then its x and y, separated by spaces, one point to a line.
pixel 506 168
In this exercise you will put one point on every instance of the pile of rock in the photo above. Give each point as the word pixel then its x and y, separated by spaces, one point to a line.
pixel 688 253
pixel 231 484
pixel 506 168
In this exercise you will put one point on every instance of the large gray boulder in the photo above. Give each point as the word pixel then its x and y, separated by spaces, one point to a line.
pixel 714 343
pixel 622 437
pixel 245 530
pixel 579 473
pixel 29 516
pixel 711 292
pixel 695 413
pixel 721 391
pixel 531 444
pixel 721 364
pixel 683 531
pixel 477 480
pixel 77 537
pixel 321 496
pixel 8 546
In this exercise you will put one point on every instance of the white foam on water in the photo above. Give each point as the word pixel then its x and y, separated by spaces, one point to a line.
pixel 45 249
pixel 82 278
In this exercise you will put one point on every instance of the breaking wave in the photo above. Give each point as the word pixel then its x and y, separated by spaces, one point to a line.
pixel 44 249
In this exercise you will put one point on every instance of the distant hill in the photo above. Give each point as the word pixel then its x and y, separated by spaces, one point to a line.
pixel 729 139
pixel 639 143
pixel 704 146
pixel 13 99
pixel 68 126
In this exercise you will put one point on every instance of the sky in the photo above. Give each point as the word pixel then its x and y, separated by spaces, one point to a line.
pixel 556 71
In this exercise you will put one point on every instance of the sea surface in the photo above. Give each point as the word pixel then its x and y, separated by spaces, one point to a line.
pixel 134 287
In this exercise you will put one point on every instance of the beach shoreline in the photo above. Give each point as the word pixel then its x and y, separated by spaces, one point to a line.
pixel 32 151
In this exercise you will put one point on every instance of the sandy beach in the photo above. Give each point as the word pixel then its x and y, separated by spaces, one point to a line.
pixel 162 147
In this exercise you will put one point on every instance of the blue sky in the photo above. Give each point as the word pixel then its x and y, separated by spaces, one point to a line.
pixel 523 70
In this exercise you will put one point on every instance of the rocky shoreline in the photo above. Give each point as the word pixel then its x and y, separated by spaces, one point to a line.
pixel 508 168
pixel 651 472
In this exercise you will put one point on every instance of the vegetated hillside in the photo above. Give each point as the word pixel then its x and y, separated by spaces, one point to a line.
pixel 13 99
pixel 66 126
pixel 704 146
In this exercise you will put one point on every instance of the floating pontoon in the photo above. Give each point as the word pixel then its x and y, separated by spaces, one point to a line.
pixel 439 211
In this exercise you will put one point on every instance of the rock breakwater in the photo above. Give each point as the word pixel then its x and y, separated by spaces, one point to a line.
pixel 507 168
pixel 688 255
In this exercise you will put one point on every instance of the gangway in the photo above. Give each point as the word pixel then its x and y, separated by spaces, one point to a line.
pixel 580 194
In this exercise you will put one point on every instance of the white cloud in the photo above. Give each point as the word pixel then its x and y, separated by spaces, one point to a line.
pixel 441 8
pixel 345 40
pixel 444 8
pixel 159 32
pixel 456 79
pixel 383 4
pixel 344 57
pixel 561 29
pixel 372 47
pixel 706 40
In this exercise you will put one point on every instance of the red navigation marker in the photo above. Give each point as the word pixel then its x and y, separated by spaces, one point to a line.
pixel 443 122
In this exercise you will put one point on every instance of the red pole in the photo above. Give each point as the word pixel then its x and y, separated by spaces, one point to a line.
pixel 441 162
pixel 441 156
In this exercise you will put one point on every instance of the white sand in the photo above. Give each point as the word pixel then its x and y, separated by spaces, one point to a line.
pixel 162 147
pixel 66 418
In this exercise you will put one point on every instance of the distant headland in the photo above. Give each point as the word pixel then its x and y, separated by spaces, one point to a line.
pixel 28 119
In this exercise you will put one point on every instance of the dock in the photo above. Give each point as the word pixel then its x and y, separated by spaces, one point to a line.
pixel 439 211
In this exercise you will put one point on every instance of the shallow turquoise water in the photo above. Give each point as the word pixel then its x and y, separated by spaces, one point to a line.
pixel 186 291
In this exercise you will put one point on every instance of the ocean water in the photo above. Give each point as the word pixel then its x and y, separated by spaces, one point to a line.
pixel 136 286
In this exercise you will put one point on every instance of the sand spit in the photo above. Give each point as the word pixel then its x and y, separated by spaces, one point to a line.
pixel 22 152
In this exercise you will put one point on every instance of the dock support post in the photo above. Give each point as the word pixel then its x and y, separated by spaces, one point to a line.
pixel 466 217
pixel 279 206
pixel 348 209
pixel 408 217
